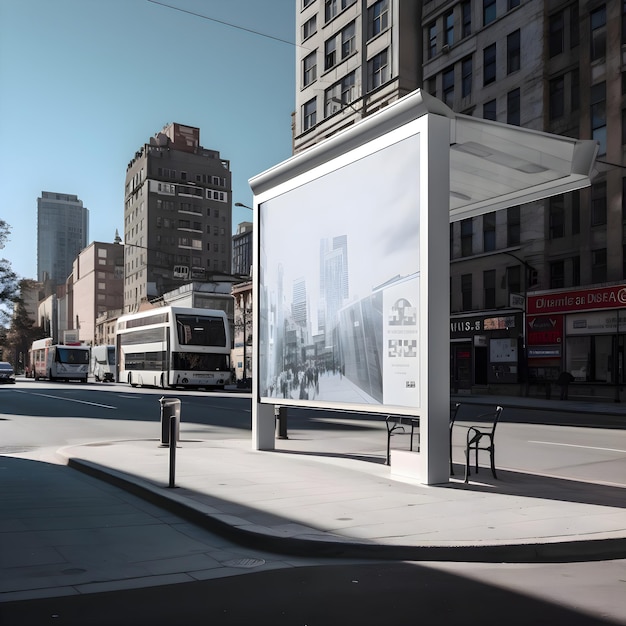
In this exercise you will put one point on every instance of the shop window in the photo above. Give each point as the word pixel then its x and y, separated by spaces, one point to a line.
pixel 578 357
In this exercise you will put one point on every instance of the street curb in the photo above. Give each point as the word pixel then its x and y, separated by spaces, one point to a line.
pixel 164 497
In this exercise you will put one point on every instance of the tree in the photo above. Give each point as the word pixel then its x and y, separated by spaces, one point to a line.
pixel 8 278
pixel 21 334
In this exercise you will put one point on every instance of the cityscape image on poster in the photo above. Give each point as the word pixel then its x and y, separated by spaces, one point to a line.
pixel 339 283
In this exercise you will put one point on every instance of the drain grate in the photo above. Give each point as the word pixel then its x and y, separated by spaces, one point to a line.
pixel 244 563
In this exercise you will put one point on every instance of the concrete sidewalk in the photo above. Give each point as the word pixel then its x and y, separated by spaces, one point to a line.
pixel 303 502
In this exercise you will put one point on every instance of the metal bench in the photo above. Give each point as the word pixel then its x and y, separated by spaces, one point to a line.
pixel 397 423
pixel 486 430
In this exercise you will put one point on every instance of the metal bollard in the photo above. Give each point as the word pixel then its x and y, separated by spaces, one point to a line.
pixel 280 413
pixel 170 408
pixel 173 439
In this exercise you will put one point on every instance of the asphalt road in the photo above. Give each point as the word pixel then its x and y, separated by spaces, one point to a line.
pixel 363 594
pixel 37 418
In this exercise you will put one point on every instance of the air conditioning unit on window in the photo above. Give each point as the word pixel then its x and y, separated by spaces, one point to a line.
pixel 445 48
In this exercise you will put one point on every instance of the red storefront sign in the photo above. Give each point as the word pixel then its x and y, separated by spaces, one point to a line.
pixel 613 297
pixel 544 329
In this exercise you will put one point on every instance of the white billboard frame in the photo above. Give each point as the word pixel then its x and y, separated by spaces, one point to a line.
pixel 460 160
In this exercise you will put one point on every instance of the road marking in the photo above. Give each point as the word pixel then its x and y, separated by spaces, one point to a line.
pixel 573 445
pixel 45 395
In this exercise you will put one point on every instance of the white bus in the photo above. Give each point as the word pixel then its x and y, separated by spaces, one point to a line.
pixel 103 363
pixel 59 362
pixel 174 347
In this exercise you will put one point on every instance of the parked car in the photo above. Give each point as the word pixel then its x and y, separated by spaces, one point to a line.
pixel 7 375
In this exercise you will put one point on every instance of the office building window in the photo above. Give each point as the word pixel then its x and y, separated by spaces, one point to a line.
pixel 574 25
pixel 489 110
pixel 466 77
pixel 344 41
pixel 598 33
pixel 432 40
pixel 556 34
pixel 623 22
pixel 309 114
pixel 377 71
pixel 513 52
pixel 513 224
pixel 513 3
pixel 557 97
pixel 556 217
pixel 489 232
pixel 623 127
pixel 334 7
pixel 340 94
pixel 513 113
pixel 598 204
pixel 447 79
pixel 466 19
pixel 489 288
pixel 466 292
pixel 489 11
pixel 489 64
pixel 557 274
pixel 514 279
pixel 377 18
pixel 432 86
pixel 598 115
pixel 309 27
pixel 598 266
pixel 448 29
pixel 310 68
pixel 467 228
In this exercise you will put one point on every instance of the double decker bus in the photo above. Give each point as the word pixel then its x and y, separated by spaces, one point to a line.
pixel 174 347
pixel 59 361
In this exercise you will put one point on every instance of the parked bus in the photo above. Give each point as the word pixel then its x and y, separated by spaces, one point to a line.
pixel 174 347
pixel 59 362
pixel 103 363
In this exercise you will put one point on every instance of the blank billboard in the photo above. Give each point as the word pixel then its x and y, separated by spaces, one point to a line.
pixel 339 280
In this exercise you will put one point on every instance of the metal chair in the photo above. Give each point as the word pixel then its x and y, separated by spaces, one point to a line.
pixel 454 409
pixel 477 433
pixel 397 422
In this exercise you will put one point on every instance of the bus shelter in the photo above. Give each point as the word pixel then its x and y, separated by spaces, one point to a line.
pixel 351 260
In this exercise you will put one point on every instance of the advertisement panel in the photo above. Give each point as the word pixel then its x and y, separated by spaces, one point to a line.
pixel 339 281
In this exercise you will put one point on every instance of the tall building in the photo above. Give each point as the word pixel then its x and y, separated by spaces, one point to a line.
pixel 242 249
pixel 96 288
pixel 354 57
pixel 551 66
pixel 177 215
pixel 62 232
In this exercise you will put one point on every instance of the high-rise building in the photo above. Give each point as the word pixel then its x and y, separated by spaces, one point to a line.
pixel 549 66
pixel 353 58
pixel 177 215
pixel 62 232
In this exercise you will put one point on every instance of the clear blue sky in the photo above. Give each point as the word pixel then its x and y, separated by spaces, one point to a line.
pixel 85 83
